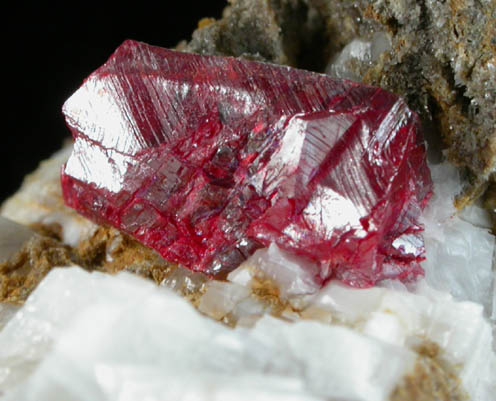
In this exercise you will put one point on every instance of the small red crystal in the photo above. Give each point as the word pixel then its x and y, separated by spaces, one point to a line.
pixel 206 159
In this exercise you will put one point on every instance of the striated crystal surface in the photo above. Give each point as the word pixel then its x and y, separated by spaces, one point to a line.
pixel 207 159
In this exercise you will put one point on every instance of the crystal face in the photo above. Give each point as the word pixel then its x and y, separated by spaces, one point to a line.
pixel 206 159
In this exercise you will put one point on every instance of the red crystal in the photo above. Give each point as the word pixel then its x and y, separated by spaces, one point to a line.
pixel 206 159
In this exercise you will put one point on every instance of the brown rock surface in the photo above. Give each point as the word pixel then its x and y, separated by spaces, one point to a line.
pixel 107 250
pixel 433 378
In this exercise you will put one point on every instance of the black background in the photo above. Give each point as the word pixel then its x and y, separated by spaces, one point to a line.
pixel 48 50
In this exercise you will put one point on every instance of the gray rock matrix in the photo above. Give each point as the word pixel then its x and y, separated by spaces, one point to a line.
pixel 442 60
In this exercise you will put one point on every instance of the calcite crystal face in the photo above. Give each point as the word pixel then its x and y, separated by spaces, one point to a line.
pixel 206 159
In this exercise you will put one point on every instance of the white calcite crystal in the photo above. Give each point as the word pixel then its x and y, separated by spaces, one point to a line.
pixel 39 200
pixel 122 338
pixel 459 246
pixel 222 298
pixel 362 51
pixel 6 313
pixel 399 317
pixel 294 276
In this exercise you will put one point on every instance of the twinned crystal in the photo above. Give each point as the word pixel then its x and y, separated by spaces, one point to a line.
pixel 206 159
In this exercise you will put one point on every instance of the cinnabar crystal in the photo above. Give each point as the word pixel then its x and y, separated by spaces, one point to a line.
pixel 206 159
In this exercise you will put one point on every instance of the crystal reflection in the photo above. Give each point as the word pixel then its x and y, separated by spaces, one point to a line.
pixel 328 210
pixel 111 166
pixel 98 110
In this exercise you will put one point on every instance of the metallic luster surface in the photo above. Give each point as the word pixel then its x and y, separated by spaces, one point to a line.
pixel 207 159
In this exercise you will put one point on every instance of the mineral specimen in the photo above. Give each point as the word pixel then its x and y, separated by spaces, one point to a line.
pixel 207 159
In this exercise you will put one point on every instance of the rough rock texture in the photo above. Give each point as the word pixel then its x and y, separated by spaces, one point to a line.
pixel 276 31
pixel 107 250
pixel 442 59
pixel 22 273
